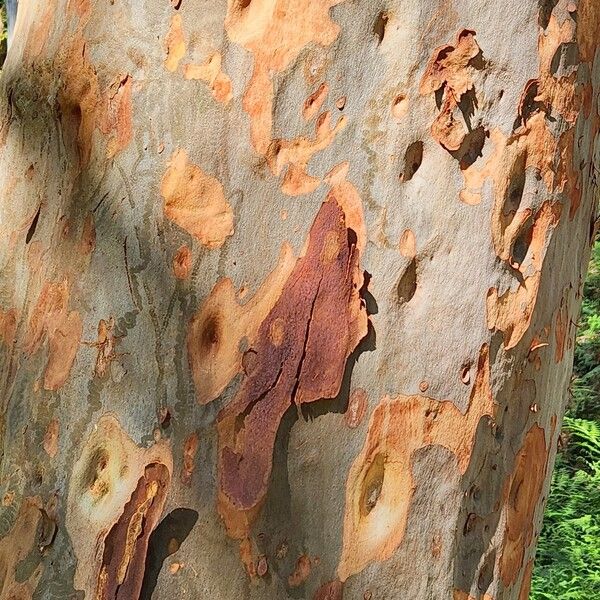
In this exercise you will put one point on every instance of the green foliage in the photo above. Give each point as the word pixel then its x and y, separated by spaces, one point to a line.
pixel 568 556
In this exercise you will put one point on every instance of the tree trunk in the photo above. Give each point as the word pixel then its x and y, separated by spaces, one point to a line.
pixel 289 293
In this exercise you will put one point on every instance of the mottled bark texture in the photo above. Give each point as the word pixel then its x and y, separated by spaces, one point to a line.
pixel 288 293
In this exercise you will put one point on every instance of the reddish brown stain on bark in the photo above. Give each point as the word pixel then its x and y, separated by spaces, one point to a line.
pixel 196 201
pixel 8 326
pixel 333 590
pixel 125 546
pixel 449 70
pixel 522 499
pixel 357 408
pixel 105 344
pixel 51 321
pixel 323 319
pixel 182 263
pixel 301 571
pixel 380 484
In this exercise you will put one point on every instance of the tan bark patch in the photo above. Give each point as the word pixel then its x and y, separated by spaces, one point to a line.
pixel 408 244
pixel 380 483
pixel 117 122
pixel 320 332
pixel 521 501
pixel 174 44
pixel 51 438
pixel 332 590
pixel 51 320
pixel 105 344
pixel 196 201
pixel 211 72
pixel 15 546
pixel 116 495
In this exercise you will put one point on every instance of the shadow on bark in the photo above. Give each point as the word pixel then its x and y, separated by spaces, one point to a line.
pixel 165 540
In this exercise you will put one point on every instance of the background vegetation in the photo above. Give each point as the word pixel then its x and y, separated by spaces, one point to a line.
pixel 567 565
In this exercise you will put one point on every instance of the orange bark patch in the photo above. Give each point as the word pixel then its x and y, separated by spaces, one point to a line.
pixel 174 44
pixel 190 447
pixel 182 263
pixel 323 320
pixel 275 32
pixel 51 320
pixel 16 546
pixel 116 495
pixel 51 438
pixel 450 69
pixel 380 483
pixel 117 124
pixel 297 153
pixel 511 311
pixel 219 326
pixel 588 17
pixel 85 106
pixel 196 201
pixel 211 73
pixel 526 582
pixel 522 499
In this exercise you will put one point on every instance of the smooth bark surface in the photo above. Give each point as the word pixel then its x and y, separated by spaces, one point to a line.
pixel 288 293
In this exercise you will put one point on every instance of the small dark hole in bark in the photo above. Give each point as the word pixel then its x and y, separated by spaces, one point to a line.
pixel 514 193
pixel 175 526
pixel 439 96
pixel 380 25
pixel 486 575
pixel 522 243
pixel 546 7
pixel 412 160
pixel 242 4
pixel 33 226
pixel 211 331
pixel 407 286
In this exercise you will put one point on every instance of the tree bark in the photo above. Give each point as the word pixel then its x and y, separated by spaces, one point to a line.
pixel 289 293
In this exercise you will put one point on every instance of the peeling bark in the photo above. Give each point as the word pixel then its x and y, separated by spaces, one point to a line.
pixel 302 275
